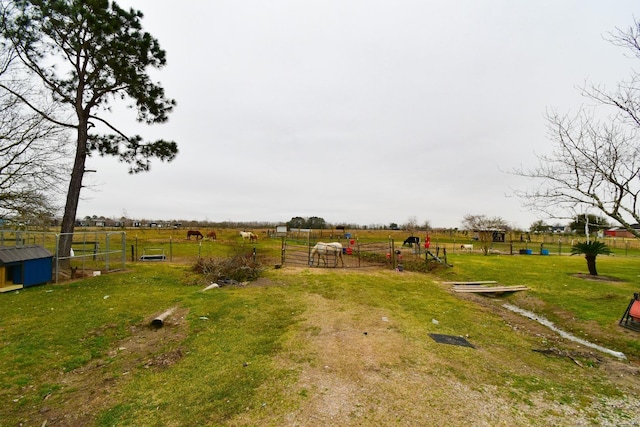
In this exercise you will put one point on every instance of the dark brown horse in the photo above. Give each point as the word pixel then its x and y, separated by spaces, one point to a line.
pixel 194 233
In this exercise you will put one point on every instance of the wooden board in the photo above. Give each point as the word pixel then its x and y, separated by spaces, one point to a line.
pixel 10 288
pixel 489 289
pixel 479 282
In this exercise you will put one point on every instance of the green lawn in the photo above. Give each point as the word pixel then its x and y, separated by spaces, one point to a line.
pixel 259 354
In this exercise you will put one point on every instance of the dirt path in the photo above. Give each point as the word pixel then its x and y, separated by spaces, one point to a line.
pixel 358 369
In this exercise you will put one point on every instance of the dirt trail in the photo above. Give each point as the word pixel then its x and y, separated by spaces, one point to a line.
pixel 358 369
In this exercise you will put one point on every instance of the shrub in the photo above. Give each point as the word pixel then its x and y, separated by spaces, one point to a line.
pixel 239 268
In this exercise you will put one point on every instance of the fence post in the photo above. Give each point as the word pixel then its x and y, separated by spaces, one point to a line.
pixel 393 255
pixel 282 251
pixel 106 252
pixel 123 237
pixel 57 256
pixel 426 259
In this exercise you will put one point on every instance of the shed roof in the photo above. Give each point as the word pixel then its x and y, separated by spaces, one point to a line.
pixel 10 254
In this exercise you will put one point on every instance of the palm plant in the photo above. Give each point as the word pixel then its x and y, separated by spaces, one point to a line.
pixel 591 250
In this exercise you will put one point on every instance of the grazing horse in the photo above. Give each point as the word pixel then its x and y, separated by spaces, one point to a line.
pixel 325 249
pixel 194 233
pixel 212 235
pixel 411 240
pixel 248 235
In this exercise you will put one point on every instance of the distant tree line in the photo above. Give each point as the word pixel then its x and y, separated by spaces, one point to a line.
pixel 578 225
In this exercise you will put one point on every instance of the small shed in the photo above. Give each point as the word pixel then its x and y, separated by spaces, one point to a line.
pixel 24 266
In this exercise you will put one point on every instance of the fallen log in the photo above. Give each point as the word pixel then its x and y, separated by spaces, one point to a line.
pixel 158 322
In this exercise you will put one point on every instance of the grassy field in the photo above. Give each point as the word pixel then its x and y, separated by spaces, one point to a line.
pixel 314 346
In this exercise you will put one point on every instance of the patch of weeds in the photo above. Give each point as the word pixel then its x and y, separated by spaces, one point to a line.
pixel 97 346
pixel 47 389
pixel 239 268
pixel 421 266
pixel 375 258
pixel 74 363
pixel 23 380
pixel 113 416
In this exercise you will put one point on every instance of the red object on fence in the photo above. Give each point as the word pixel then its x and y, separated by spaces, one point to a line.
pixel 427 242
pixel 352 242
pixel 349 251
pixel 634 311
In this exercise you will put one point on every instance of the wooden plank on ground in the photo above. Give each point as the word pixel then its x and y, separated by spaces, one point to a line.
pixel 489 289
pixel 10 288
pixel 477 282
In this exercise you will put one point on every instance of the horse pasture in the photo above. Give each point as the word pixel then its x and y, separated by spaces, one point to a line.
pixel 313 346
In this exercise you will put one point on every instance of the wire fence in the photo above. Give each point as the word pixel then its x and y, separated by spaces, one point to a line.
pixel 92 252
pixel 352 255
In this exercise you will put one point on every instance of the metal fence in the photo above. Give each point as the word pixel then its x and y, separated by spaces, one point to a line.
pixel 618 246
pixel 354 254
pixel 93 252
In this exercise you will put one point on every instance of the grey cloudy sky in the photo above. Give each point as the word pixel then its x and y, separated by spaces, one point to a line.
pixel 358 111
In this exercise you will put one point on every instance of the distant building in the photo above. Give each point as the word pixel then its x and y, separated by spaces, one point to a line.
pixel 621 232
pixel 559 229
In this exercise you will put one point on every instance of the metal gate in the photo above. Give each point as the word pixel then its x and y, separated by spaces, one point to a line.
pixel 354 254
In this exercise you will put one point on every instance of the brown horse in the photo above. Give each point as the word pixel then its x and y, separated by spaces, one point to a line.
pixel 212 235
pixel 194 233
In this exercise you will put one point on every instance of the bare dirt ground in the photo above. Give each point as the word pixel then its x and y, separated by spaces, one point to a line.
pixel 356 368
pixel 360 376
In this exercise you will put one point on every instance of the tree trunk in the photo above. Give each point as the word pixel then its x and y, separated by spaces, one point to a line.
pixel 73 195
pixel 486 240
pixel 591 264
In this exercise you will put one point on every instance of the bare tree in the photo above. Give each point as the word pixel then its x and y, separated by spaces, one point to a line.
pixel 411 224
pixel 485 228
pixel 595 161
pixel 33 151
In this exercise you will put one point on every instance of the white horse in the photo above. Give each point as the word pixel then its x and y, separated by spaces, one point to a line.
pixel 248 235
pixel 323 249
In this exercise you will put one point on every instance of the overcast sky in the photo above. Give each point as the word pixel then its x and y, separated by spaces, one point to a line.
pixel 358 111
